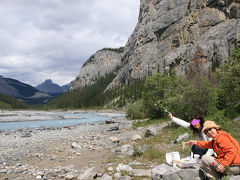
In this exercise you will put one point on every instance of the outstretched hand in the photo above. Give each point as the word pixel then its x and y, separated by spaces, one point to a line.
pixel 170 116
pixel 192 142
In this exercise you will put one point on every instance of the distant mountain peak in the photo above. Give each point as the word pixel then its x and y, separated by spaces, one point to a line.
pixel 52 88
pixel 48 81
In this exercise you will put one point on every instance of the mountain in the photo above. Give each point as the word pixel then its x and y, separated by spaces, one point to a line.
pixel 51 88
pixel 168 36
pixel 98 65
pixel 22 91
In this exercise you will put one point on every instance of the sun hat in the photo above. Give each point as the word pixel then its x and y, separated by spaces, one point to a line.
pixel 210 124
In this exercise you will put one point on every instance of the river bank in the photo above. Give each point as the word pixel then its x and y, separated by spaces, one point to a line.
pixel 79 147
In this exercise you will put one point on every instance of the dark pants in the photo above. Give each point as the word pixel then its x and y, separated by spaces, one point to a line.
pixel 198 150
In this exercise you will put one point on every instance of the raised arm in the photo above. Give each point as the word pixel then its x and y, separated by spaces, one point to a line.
pixel 178 121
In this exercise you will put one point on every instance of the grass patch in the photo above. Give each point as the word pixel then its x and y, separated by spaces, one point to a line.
pixel 147 122
pixel 151 151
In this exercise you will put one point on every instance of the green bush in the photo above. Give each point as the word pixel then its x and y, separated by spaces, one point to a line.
pixel 157 89
pixel 198 97
pixel 228 89
pixel 136 110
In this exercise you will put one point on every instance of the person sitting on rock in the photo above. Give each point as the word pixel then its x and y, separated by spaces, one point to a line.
pixel 225 146
pixel 196 125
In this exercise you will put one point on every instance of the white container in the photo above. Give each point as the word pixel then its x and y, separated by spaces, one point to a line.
pixel 169 158
pixel 196 158
pixel 175 158
pixel 172 158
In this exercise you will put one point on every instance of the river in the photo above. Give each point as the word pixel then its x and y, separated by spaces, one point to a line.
pixel 12 120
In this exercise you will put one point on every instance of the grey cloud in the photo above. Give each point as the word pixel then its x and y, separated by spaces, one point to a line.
pixel 54 38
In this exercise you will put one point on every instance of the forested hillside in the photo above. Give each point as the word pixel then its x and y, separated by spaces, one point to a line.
pixel 214 95
pixel 210 94
pixel 7 102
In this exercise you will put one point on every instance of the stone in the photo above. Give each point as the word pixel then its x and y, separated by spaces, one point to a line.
pixel 166 172
pixel 124 178
pixel 70 176
pixel 182 137
pixel 127 149
pixel 88 174
pixel 110 169
pixel 114 139
pixel 123 167
pixel 151 131
pixel 105 177
pixel 76 145
pixel 141 173
pixel 136 137
pixel 113 128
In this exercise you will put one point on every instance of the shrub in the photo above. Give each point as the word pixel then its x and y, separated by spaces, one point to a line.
pixel 198 97
pixel 136 110
pixel 157 89
pixel 229 84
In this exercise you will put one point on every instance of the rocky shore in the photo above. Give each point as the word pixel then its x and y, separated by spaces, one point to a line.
pixel 82 152
pixel 70 152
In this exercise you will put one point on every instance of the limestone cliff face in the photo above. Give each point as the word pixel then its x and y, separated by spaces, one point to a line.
pixel 98 65
pixel 170 32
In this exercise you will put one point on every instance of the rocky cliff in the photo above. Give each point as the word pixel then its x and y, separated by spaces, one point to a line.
pixel 170 32
pixel 98 65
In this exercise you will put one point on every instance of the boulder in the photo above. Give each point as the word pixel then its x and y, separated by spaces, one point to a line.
pixel 182 137
pixel 105 177
pixel 88 174
pixel 166 172
pixel 123 167
pixel 151 131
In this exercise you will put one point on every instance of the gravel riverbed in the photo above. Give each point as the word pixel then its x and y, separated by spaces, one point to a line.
pixel 45 152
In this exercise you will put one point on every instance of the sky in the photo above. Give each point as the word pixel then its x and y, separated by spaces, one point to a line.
pixel 51 39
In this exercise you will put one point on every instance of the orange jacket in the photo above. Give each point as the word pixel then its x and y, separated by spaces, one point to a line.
pixel 226 147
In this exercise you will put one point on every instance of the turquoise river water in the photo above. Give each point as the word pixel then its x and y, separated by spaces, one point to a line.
pixel 80 119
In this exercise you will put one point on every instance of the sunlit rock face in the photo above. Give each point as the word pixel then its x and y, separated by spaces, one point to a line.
pixel 170 33
pixel 98 65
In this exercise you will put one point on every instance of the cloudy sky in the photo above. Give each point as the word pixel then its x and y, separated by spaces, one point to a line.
pixel 42 39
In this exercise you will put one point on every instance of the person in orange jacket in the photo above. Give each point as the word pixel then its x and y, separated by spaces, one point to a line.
pixel 224 145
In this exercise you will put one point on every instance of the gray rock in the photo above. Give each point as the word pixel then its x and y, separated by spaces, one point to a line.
pixel 101 63
pixel 76 145
pixel 159 171
pixel 122 177
pixel 127 149
pixel 136 137
pixel 169 32
pixel 124 167
pixel 70 176
pixel 234 177
pixel 182 137
pixel 141 173
pixel 114 128
pixel 166 172
pixel 88 174
pixel 114 139
pixel 106 177
pixel 151 131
